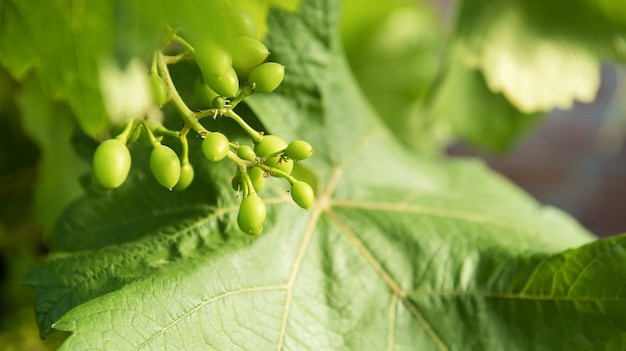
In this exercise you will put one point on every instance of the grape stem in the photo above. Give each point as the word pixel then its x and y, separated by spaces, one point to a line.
pixel 172 59
pixel 248 182
pixel 162 131
pixel 184 152
pixel 153 140
pixel 256 136
pixel 185 112
pixel 125 134
pixel 245 92
pixel 243 165
pixel 178 39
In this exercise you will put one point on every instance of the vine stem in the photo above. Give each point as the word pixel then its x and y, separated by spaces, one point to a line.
pixel 185 112
pixel 184 145
pixel 246 91
pixel 177 38
pixel 125 134
pixel 154 142
pixel 256 136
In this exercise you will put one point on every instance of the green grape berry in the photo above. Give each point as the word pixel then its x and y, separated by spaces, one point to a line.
pixel 243 23
pixel 218 102
pixel 165 166
pixel 270 145
pixel 257 231
pixel 215 146
pixel 215 63
pixel 111 163
pixel 237 182
pixel 299 150
pixel 203 93
pixel 266 77
pixel 247 52
pixel 257 176
pixel 246 152
pixel 159 89
pixel 186 177
pixel 212 58
pixel 302 194
pixel 251 214
pixel 280 163
pixel 225 83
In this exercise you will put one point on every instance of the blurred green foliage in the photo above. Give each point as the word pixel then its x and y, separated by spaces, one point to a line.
pixel 20 235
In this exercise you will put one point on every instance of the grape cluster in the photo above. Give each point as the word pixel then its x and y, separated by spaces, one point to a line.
pixel 230 71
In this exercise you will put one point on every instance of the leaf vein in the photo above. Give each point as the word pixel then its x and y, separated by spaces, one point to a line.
pixel 206 302
pixel 376 265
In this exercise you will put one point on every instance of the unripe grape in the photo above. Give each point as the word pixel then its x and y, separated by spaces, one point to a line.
pixel 159 90
pixel 302 194
pixel 251 214
pixel 225 83
pixel 204 93
pixel 299 150
pixel 270 145
pixel 247 52
pixel 243 23
pixel 266 77
pixel 186 177
pixel 236 182
pixel 257 176
pixel 280 163
pixel 218 102
pixel 212 58
pixel 257 231
pixel 111 163
pixel 215 62
pixel 246 152
pixel 165 166
pixel 215 146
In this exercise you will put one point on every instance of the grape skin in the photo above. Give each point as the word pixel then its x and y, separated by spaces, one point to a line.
pixel 266 77
pixel 111 163
pixel 186 177
pixel 165 166
pixel 269 145
pixel 215 146
pixel 302 194
pixel 252 212
pixel 299 150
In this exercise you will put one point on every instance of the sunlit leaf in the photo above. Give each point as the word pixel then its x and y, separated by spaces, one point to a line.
pixel 542 55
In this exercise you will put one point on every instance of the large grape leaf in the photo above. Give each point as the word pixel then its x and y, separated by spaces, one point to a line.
pixel 398 251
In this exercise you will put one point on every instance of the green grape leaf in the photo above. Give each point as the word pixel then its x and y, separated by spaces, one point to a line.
pixel 398 251
pixel 479 116
pixel 67 52
pixel 542 55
